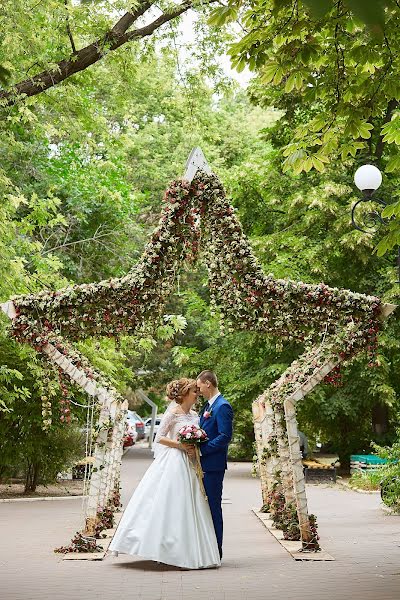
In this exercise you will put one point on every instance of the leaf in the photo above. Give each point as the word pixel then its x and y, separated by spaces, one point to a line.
pixel 382 248
pixel 365 130
pixel 293 157
pixel 183 355
pixel 388 242
pixel 5 75
pixel 147 344
pixel 298 81
pixel 391 131
pixel 307 164
pixel 321 156
pixel 222 15
pixel 318 123
pixel 393 164
pixel 357 128
pixel 165 332
pixel 298 28
pixel 369 68
pixel 351 148
pixel 268 72
pixel 351 25
pixel 238 63
pixel 178 322
pixel 279 74
pixel 318 164
pixel 318 8
pixel 301 162
pixel 370 12
pixel 392 210
pixel 290 83
pixel 393 89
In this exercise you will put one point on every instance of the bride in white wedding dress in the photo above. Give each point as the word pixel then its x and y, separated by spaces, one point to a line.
pixel 168 518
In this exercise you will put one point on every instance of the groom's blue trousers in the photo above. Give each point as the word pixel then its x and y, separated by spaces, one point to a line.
pixel 213 481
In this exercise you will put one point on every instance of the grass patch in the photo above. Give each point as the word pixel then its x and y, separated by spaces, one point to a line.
pixel 367 480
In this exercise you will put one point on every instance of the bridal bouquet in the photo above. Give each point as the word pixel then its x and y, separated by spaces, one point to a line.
pixel 191 434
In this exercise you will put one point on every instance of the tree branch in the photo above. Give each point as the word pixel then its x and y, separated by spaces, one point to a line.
pixel 69 32
pixel 130 17
pixel 89 55
pixel 94 238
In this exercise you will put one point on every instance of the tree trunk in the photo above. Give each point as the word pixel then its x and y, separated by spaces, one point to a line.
pixel 380 418
pixel 32 477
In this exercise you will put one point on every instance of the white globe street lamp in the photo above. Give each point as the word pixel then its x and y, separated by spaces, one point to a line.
pixel 368 179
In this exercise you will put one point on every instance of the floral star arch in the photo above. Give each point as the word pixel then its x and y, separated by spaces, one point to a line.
pixel 198 222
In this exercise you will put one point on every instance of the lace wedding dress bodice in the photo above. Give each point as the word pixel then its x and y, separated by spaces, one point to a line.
pixel 171 424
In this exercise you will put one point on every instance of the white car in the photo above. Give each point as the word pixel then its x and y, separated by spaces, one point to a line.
pixel 147 425
pixel 136 421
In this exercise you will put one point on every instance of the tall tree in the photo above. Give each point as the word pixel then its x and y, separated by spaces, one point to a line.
pixel 334 67
pixel 53 29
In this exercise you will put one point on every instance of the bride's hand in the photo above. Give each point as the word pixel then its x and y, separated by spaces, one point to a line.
pixel 189 449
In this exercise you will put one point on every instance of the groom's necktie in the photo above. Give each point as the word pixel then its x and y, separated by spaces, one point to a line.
pixel 206 407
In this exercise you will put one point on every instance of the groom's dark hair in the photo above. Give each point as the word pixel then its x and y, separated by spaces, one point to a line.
pixel 208 376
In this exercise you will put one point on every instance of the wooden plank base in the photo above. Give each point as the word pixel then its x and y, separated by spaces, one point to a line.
pixel 103 542
pixel 294 548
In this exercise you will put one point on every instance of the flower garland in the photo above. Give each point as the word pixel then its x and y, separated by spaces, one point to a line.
pixel 195 213
pixel 104 520
pixel 65 403
pixel 247 298
pixel 80 543
pixel 117 306
pixel 284 517
pixel 345 344
pixel 47 413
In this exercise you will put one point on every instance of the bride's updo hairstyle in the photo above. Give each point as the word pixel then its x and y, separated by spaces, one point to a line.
pixel 177 389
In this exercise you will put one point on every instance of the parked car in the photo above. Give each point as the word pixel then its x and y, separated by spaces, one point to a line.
pixel 81 467
pixel 130 436
pixel 147 425
pixel 137 422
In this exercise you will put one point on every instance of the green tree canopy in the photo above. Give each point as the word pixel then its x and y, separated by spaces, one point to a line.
pixel 333 68
pixel 51 41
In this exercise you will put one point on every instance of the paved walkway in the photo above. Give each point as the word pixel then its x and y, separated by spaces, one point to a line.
pixel 364 541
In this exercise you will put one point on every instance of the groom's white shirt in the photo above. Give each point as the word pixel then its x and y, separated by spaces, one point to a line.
pixel 213 399
pixel 211 402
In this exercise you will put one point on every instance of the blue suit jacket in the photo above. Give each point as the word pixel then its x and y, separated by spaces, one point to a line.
pixel 218 427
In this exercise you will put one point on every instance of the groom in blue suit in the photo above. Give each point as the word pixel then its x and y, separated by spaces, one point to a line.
pixel 216 418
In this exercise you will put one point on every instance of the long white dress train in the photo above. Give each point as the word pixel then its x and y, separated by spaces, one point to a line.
pixel 168 519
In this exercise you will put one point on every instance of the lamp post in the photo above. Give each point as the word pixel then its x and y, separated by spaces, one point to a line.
pixel 368 179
